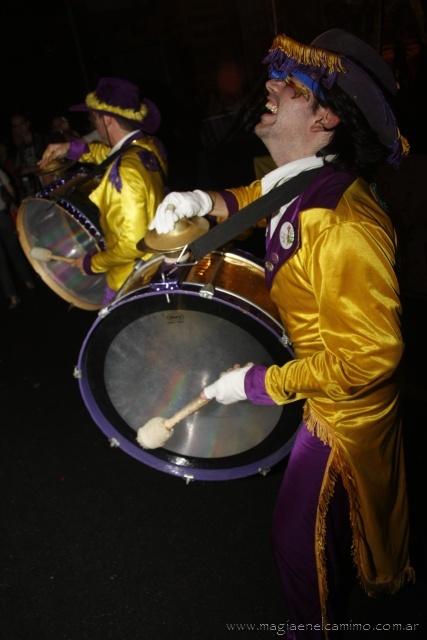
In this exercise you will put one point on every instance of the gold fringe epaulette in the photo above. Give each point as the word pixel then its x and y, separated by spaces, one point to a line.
pixel 307 55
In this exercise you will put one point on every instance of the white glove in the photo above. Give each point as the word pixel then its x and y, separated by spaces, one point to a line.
pixel 177 205
pixel 230 386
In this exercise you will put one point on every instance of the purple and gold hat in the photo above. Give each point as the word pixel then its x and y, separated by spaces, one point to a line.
pixel 338 57
pixel 120 97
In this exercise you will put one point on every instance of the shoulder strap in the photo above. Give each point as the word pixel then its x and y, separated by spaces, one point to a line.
pixel 99 169
pixel 250 215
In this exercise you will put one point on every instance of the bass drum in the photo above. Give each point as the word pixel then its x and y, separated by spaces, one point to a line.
pixel 61 218
pixel 155 348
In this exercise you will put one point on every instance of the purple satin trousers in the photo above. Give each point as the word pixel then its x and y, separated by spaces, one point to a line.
pixel 294 538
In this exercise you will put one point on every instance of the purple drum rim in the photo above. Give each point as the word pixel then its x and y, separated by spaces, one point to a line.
pixel 83 221
pixel 79 216
pixel 186 472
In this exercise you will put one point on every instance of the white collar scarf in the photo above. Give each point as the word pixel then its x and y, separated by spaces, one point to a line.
pixel 284 173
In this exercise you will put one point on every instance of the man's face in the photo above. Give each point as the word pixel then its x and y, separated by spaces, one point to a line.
pixel 287 123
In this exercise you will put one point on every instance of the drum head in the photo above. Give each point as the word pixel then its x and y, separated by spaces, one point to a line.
pixel 45 223
pixel 154 353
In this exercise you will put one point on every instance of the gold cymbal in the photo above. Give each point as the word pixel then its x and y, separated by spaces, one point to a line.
pixel 184 232
pixel 60 164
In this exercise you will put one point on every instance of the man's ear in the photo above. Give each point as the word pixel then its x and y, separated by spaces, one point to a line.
pixel 325 119
pixel 107 119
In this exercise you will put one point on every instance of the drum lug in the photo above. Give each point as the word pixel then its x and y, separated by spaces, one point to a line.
pixel 207 291
pixel 263 471
pixel 188 478
pixel 114 442
pixel 104 311
pixel 77 373
pixel 285 340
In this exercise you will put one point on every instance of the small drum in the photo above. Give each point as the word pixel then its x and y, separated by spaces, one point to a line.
pixel 61 218
pixel 172 332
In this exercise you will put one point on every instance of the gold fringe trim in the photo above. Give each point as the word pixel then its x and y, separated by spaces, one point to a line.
pixel 307 55
pixel 374 589
pixel 93 102
pixel 326 493
pixel 337 466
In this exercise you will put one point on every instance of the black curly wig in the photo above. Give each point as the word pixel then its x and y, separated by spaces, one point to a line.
pixel 354 144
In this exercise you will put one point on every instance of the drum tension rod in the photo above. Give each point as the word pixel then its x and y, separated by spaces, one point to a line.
pixel 166 294
pixel 208 290
pixel 263 471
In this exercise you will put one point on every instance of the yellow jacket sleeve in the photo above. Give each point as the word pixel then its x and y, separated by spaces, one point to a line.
pixel 247 194
pixel 96 153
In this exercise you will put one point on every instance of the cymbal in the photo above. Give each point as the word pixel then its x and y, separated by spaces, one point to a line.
pixel 184 232
pixel 54 166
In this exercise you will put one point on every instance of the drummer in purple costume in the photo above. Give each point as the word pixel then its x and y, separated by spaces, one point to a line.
pixel 330 257
pixel 131 187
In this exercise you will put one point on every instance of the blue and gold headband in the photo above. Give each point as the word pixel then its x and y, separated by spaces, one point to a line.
pixel 339 57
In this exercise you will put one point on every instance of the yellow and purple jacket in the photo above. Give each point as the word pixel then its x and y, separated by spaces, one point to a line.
pixel 330 270
pixel 127 197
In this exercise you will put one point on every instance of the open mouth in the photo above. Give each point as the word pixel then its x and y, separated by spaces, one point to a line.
pixel 271 107
pixel 270 110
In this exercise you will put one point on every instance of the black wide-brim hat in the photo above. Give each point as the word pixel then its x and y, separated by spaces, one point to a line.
pixel 117 96
pixel 339 57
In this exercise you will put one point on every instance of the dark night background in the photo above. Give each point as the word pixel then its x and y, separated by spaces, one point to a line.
pixel 93 544
pixel 54 52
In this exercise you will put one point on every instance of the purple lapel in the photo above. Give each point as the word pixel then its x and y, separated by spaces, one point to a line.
pixel 325 192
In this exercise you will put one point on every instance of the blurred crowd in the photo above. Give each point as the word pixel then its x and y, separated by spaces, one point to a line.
pixel 20 177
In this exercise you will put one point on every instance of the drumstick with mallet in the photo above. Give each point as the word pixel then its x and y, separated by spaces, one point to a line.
pixel 45 255
pixel 157 431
